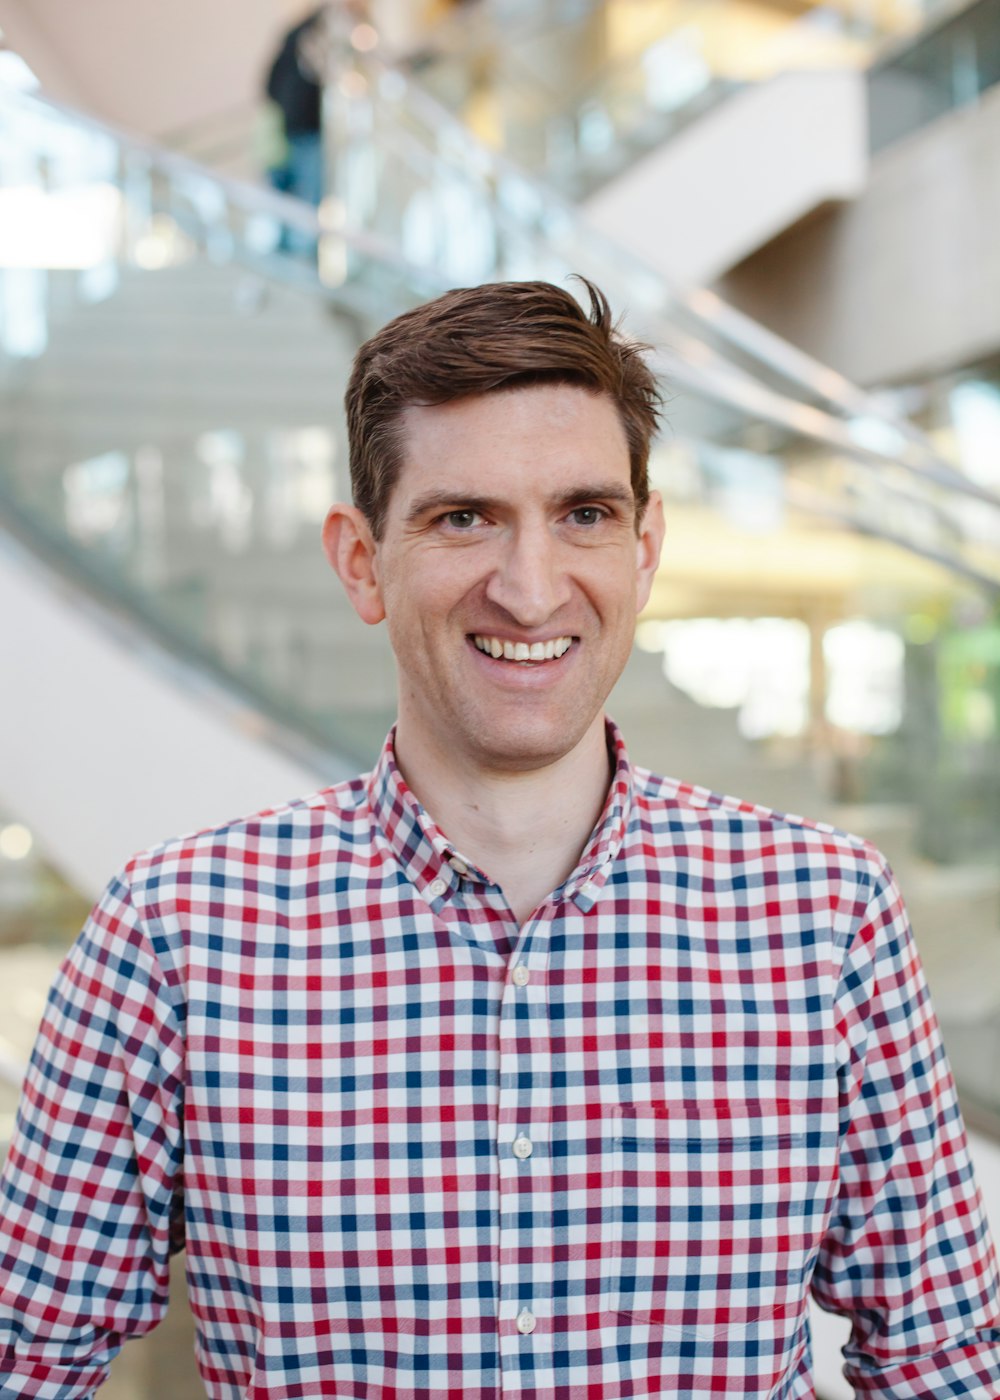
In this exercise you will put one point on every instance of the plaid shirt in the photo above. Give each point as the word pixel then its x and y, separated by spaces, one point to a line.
pixel 419 1151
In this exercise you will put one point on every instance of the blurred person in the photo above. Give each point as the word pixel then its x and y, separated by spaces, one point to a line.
pixel 291 132
pixel 508 1067
pixel 294 86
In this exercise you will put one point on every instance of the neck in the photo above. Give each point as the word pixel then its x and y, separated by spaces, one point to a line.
pixel 526 830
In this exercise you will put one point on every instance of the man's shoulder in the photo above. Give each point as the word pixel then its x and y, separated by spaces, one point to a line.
pixel 706 820
pixel 289 835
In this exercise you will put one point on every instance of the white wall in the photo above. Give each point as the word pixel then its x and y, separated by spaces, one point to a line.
pixel 740 175
pixel 155 67
pixel 905 281
pixel 106 745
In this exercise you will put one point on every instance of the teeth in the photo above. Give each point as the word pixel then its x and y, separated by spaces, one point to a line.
pixel 523 651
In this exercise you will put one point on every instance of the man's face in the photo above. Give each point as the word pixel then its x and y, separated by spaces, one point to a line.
pixel 510 573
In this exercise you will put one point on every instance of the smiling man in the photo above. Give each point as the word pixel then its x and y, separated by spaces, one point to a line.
pixel 507 1068
pixel 510 559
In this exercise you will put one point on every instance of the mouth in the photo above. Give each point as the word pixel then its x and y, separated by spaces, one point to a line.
pixel 524 652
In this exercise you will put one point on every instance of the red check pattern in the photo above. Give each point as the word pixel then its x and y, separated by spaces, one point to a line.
pixel 420 1152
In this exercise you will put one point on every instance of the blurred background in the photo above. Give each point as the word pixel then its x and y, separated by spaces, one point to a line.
pixel 204 209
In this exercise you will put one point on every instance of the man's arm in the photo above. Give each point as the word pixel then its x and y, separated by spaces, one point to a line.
pixel 907 1255
pixel 90 1181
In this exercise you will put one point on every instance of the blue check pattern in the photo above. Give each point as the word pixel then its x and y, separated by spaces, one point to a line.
pixel 417 1151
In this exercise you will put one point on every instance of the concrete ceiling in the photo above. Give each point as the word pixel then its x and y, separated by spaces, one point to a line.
pixel 150 67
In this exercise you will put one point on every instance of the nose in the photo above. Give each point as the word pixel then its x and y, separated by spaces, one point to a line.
pixel 530 581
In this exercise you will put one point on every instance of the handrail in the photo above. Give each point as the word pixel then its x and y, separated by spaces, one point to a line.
pixel 733 386
pixel 813 504
pixel 243 195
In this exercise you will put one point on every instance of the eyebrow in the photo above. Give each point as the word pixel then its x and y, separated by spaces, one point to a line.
pixel 580 495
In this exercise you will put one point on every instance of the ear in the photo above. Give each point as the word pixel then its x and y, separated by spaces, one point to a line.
pixel 648 546
pixel 351 550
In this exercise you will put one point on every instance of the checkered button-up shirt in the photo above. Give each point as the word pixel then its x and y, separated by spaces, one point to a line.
pixel 418 1151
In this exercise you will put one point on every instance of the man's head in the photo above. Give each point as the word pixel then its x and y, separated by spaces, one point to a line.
pixel 480 340
pixel 503 525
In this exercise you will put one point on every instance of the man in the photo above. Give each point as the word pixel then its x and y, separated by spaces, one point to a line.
pixel 508 1068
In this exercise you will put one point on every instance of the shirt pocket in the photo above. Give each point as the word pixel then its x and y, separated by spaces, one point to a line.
pixel 709 1203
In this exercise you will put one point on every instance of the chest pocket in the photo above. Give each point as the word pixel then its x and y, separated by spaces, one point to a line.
pixel 710 1205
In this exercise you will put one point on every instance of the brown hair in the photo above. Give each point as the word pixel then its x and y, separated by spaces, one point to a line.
pixel 479 340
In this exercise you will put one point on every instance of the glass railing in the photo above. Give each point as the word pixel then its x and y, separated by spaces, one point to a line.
pixel 170 386
pixel 575 92
pixel 948 67
pixel 946 754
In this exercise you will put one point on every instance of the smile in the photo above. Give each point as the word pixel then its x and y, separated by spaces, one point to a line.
pixel 523 651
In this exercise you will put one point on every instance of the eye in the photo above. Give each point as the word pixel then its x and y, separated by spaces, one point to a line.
pixel 587 515
pixel 462 519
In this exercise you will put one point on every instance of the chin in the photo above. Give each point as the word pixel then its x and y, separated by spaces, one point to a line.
pixel 524 748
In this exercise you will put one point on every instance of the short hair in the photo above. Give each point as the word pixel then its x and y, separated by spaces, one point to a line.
pixel 483 340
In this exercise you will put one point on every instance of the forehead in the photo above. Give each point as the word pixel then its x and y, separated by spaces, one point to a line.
pixel 545 433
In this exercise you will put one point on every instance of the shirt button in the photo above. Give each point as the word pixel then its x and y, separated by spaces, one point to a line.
pixel 459 866
pixel 436 889
pixel 525 1322
pixel 589 890
pixel 522 1147
pixel 521 975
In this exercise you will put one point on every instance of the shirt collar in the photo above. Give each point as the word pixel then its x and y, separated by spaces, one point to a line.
pixel 431 861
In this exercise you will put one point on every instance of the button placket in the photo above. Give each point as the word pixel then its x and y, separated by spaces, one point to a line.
pixel 525 1163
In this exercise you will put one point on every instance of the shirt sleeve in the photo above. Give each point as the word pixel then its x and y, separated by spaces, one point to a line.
pixel 907 1255
pixel 89 1189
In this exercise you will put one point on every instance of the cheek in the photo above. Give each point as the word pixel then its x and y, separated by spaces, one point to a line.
pixel 612 586
pixel 433 590
pixel 420 603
